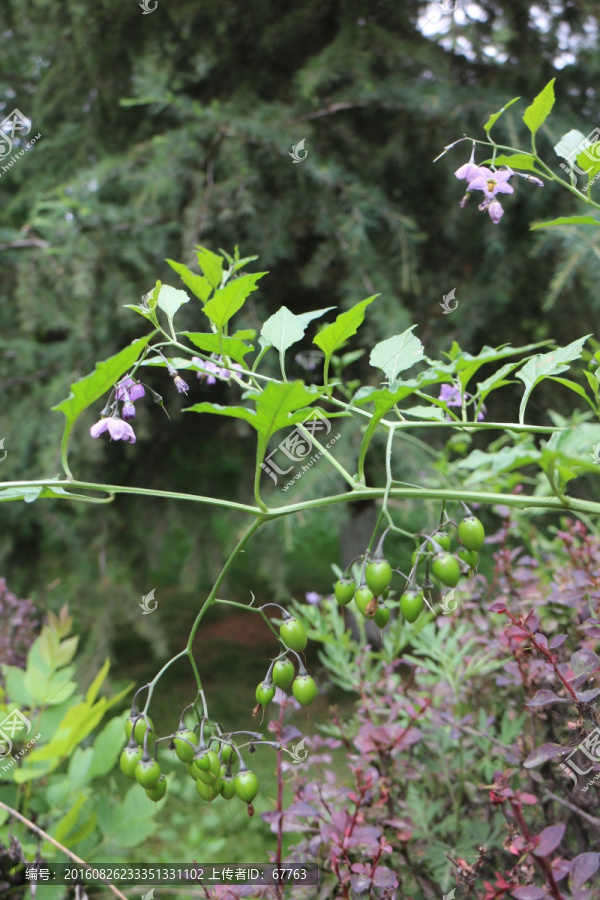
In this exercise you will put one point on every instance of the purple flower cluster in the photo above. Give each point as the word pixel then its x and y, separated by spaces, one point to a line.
pixel 211 369
pixel 490 182
pixel 450 395
pixel 126 391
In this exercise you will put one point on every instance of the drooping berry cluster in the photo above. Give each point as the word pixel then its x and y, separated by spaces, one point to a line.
pixel 376 578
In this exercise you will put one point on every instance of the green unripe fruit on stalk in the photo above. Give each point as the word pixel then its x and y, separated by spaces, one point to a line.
pixel 283 673
pixel 246 785
pixel 471 533
pixel 304 689
pixel 446 568
pixel 378 576
pixel 228 791
pixel 129 759
pixel 411 604
pixel 182 741
pixel 207 761
pixel 344 590
pixel 441 538
pixel 469 557
pixel 209 791
pixel 365 602
pixel 382 616
pixel 147 773
pixel 159 790
pixel 293 634
pixel 139 730
pixel 265 693
pixel 226 753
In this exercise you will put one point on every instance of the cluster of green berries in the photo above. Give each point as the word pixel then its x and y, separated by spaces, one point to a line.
pixel 447 567
pixel 210 764
pixel 282 673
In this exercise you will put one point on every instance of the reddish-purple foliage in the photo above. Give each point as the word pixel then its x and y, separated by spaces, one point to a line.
pixel 18 627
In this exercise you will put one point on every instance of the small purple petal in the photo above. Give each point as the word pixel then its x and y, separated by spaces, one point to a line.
pixel 180 384
pixel 128 389
pixel 313 598
pixel 120 430
pixel 450 395
pixel 99 428
pixel 496 212
pixel 468 171
pixel 128 411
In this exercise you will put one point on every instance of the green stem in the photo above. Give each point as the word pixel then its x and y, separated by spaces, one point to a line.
pixel 249 608
pixel 312 440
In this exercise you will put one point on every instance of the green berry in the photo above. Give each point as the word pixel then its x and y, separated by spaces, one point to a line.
pixel 378 576
pixel 411 604
pixel 344 590
pixel 283 673
pixel 471 533
pixel 159 790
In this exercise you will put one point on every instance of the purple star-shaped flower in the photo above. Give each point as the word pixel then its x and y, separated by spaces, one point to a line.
pixel 450 395
pixel 117 429
pixel 128 389
pixel 492 183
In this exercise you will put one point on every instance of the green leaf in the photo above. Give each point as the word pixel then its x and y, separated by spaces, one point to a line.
pixel 170 299
pixel 278 406
pixel 425 412
pixel 395 354
pixel 232 347
pixel 543 365
pixel 331 337
pixel 129 822
pixel 577 388
pixel 566 220
pixel 284 328
pixel 228 300
pixel 516 161
pixel 467 365
pixel 536 114
pixel 14 679
pixel 495 116
pixel 105 375
pixel 570 142
pixel 497 380
pixel 588 160
pixel 107 748
pixel 198 285
pixel 211 265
